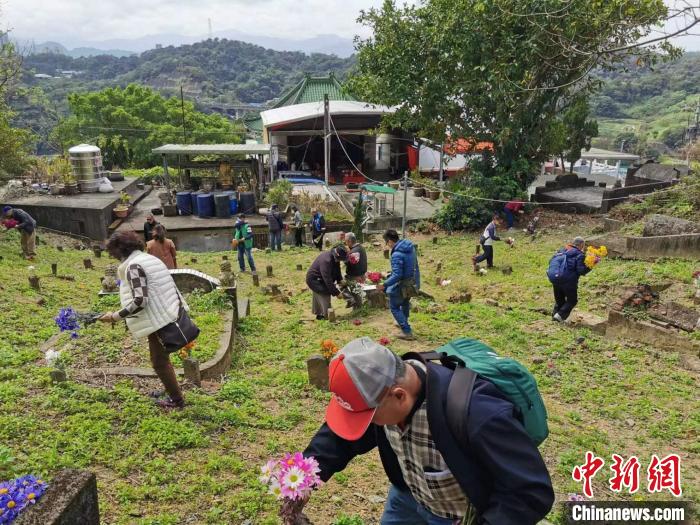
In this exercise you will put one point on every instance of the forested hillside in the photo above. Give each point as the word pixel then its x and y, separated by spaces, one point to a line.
pixel 222 70
pixel 648 108
pixel 226 70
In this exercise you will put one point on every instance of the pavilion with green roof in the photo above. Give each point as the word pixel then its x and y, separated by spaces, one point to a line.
pixel 309 89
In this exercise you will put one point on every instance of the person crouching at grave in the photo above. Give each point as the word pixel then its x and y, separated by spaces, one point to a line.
pixel 403 282
pixel 486 241
pixel 243 242
pixel 489 472
pixel 150 300
pixel 322 279
pixel 565 268
pixel 26 225
pixel 356 265
pixel 510 209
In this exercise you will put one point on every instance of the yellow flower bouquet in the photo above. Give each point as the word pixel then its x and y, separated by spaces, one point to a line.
pixel 594 256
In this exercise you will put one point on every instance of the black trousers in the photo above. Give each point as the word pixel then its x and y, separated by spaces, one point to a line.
pixel 486 256
pixel 298 233
pixel 318 240
pixel 565 298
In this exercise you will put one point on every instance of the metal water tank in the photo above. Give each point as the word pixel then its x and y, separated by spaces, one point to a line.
pixel 86 163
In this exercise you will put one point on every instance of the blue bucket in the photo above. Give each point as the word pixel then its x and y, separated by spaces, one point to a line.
pixel 184 202
pixel 205 205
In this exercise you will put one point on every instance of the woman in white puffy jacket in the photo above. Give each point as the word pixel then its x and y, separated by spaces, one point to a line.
pixel 150 300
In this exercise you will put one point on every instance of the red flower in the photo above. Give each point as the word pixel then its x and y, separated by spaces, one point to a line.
pixel 375 277
pixel 384 341
pixel 356 322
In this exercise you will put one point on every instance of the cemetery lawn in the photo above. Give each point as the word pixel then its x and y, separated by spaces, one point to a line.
pixel 201 465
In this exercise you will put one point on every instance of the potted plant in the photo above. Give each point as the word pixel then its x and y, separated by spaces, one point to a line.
pixel 433 194
pixel 70 185
pixel 122 209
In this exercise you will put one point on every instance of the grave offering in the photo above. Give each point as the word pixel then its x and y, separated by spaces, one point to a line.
pixel 109 281
pixel 227 278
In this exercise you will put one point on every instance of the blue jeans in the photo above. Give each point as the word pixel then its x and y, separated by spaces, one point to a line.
pixel 510 218
pixel 241 261
pixel 276 241
pixel 401 508
pixel 400 309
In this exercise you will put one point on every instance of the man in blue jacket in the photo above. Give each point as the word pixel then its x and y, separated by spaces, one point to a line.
pixel 491 474
pixel 27 228
pixel 403 282
pixel 318 229
pixel 566 291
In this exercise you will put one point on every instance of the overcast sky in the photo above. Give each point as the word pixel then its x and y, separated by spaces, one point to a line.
pixel 69 21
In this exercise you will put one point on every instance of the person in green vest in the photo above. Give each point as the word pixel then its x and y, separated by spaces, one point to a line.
pixel 243 240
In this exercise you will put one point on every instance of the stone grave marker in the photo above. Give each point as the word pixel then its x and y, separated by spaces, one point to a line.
pixel 317 367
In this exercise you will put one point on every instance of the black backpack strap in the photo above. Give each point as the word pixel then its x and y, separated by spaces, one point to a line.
pixel 459 394
pixel 459 391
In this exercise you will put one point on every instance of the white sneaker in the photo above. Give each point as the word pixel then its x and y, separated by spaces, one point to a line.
pixel 557 318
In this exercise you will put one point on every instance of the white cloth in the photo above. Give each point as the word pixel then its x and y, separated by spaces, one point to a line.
pixel 164 298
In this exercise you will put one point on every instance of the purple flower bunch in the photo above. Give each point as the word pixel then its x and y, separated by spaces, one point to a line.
pixel 67 321
pixel 292 477
pixel 575 497
pixel 17 494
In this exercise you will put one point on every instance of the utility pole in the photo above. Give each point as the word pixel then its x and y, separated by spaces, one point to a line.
pixel 326 138
pixel 405 201
pixel 442 154
pixel 182 105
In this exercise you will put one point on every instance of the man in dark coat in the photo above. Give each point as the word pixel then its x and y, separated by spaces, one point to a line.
pixel 322 277
pixel 566 290
pixel 490 474
pixel 27 228
pixel 356 264
pixel 318 228
pixel 149 226
pixel 275 223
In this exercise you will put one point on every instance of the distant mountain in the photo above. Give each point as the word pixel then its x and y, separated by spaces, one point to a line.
pixel 326 44
pixel 228 71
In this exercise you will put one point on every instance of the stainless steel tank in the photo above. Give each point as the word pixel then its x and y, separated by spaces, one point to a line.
pixel 86 162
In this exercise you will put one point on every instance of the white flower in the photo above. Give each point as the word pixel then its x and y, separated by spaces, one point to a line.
pixel 275 489
pixel 52 356
pixel 294 478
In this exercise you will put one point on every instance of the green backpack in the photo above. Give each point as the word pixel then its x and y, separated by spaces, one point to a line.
pixel 469 358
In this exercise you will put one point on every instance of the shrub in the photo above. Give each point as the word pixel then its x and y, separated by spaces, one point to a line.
pixel 280 193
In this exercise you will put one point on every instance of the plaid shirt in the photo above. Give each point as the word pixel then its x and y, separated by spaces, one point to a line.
pixel 136 278
pixel 429 479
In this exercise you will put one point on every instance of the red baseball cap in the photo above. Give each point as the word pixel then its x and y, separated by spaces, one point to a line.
pixel 357 377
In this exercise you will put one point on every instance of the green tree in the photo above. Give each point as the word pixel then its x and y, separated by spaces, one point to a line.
pixel 128 123
pixel 15 144
pixel 497 70
pixel 358 219
pixel 579 130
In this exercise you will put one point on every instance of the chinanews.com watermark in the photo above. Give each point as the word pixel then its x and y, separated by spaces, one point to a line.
pixel 618 512
pixel 662 475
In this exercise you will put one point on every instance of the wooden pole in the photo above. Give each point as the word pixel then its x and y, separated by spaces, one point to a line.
pixel 405 200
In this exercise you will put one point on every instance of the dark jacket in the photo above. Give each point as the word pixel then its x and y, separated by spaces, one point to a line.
pixel 575 267
pixel 26 221
pixel 360 268
pixel 148 230
pixel 404 264
pixel 495 461
pixel 318 223
pixel 323 274
pixel 274 220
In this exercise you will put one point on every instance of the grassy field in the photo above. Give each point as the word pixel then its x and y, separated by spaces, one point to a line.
pixel 201 465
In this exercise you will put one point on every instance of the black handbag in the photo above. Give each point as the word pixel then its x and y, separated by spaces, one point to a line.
pixel 408 288
pixel 177 334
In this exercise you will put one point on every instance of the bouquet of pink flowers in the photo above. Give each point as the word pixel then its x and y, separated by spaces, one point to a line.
pixel 292 477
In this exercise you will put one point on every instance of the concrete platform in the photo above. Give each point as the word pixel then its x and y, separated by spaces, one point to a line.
pixel 86 214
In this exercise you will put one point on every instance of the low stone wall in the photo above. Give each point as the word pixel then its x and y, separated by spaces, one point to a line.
pixel 646 332
pixel 615 196
pixel 71 499
pixel 683 246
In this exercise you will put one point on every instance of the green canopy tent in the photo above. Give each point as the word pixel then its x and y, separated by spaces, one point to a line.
pixel 376 188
